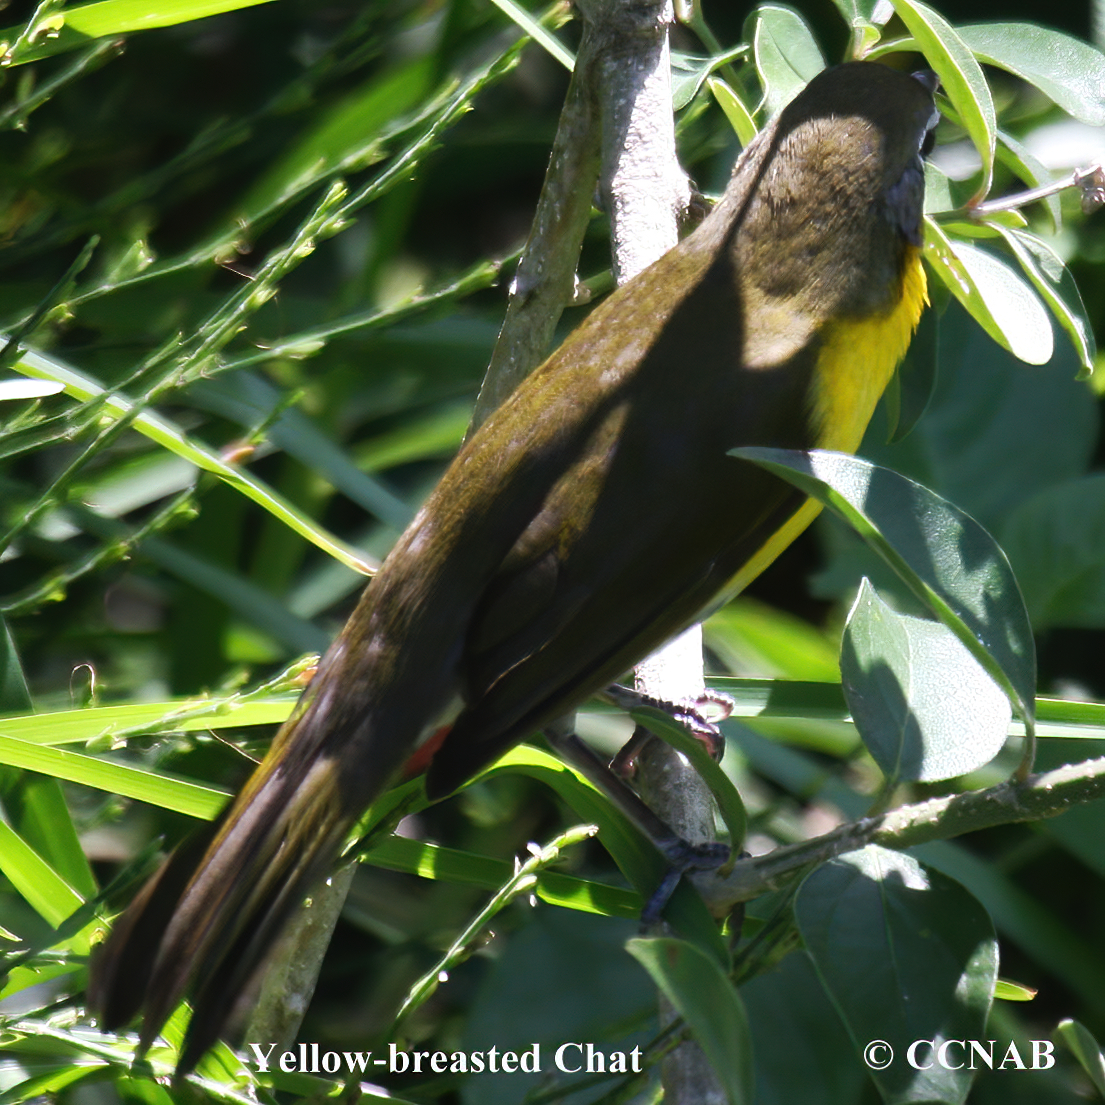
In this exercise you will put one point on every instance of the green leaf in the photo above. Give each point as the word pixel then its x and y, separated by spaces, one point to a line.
pixel 536 31
pixel 1052 279
pixel 157 788
pixel 925 708
pixel 985 398
pixel 73 27
pixel 432 861
pixel 945 557
pixel 689 73
pixel 635 856
pixel 751 636
pixel 104 725
pixel 1086 1050
pixel 46 891
pixel 36 809
pixel 786 53
pixel 961 78
pixel 709 1003
pixel 14 695
pixel 1029 168
pixel 997 297
pixel 171 437
pixel 1056 544
pixel 251 401
pixel 802 1050
pixel 907 955
pixel 740 118
pixel 346 138
pixel 1007 990
pixel 1065 69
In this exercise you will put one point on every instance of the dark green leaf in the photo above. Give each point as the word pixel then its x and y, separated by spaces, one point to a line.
pixel 802 1050
pixel 945 557
pixel 906 955
pixel 1056 543
pixel 1086 1050
pixel 15 698
pixel 985 400
pixel 912 386
pixel 708 1002
pixel 634 855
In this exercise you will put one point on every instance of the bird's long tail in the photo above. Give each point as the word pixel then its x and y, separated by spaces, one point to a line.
pixel 206 921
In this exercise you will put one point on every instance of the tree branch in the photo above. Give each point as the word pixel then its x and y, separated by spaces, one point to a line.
pixel 545 280
pixel 646 194
pixel 1046 794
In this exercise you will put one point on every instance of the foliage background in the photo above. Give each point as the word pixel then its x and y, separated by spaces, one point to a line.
pixel 137 581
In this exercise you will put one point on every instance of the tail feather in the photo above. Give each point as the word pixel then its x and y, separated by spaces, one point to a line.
pixel 121 968
pixel 207 928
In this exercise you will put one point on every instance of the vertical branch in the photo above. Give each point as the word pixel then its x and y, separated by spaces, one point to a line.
pixel 622 80
pixel 545 281
pixel 646 195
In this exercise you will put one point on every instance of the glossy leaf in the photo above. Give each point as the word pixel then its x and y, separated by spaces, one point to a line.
pixel 1029 168
pixel 106 725
pixel 46 891
pixel 907 955
pixel 157 788
pixel 923 704
pixel 740 118
pixel 689 73
pixel 945 557
pixel 1086 1050
pixel 785 51
pixel 1052 279
pixel 1065 69
pixel 432 861
pixel 35 808
pixel 961 78
pixel 999 299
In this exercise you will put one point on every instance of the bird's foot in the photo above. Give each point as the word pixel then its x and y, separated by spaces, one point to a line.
pixel 699 716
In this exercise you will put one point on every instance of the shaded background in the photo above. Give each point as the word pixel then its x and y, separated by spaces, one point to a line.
pixel 163 148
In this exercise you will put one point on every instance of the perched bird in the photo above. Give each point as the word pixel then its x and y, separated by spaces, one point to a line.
pixel 593 516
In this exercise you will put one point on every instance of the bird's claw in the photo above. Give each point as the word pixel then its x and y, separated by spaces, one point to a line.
pixel 683 858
